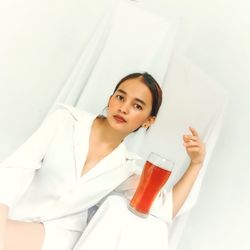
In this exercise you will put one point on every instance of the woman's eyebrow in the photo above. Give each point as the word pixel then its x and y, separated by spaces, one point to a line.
pixel 137 99
pixel 122 91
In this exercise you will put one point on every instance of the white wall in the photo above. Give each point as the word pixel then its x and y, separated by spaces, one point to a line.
pixel 40 42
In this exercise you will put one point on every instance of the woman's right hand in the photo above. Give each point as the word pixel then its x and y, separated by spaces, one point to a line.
pixel 195 147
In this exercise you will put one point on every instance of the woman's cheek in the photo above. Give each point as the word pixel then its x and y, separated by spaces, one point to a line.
pixel 139 119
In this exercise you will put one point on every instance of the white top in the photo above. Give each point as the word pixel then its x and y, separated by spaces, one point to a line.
pixel 42 180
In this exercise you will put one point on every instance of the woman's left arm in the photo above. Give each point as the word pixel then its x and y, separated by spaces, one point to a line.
pixel 195 148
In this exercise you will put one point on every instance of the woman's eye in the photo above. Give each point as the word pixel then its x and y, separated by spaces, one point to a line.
pixel 119 97
pixel 138 107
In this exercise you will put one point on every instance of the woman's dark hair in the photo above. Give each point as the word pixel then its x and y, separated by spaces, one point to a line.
pixel 153 86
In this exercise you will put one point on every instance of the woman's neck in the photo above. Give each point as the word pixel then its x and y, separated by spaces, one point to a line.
pixel 104 134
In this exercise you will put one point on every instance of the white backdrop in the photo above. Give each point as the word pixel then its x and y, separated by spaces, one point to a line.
pixel 41 42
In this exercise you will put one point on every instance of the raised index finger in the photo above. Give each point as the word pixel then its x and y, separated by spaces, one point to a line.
pixel 193 131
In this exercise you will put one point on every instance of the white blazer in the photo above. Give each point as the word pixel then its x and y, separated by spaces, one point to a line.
pixel 41 181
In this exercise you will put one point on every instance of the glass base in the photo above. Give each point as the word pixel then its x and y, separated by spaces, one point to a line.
pixel 134 211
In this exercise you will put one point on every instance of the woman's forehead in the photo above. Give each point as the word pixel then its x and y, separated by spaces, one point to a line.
pixel 136 89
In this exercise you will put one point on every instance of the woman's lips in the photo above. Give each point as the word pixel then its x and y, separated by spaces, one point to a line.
pixel 119 119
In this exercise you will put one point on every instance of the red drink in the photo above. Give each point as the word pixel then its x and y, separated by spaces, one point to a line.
pixel 152 179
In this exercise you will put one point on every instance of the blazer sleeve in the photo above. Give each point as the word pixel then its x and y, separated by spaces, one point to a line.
pixel 162 206
pixel 18 170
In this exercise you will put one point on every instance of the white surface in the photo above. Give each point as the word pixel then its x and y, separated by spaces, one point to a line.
pixel 41 41
pixel 114 227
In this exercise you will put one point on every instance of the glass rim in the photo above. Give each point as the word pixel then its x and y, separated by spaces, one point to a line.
pixel 161 159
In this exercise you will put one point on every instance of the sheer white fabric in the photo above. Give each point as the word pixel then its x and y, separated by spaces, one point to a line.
pixel 131 39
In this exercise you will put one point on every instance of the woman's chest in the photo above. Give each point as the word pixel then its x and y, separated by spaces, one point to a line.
pixel 95 156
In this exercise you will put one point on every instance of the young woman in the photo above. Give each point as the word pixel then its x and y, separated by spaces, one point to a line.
pixel 73 161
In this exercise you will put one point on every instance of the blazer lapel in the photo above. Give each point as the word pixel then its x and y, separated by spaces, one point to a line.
pixel 82 129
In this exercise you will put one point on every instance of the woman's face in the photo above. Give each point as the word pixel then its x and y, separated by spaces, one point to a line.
pixel 130 106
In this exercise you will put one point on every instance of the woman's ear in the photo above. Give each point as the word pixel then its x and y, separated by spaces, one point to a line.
pixel 150 120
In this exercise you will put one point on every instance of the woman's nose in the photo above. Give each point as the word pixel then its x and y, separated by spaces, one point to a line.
pixel 124 108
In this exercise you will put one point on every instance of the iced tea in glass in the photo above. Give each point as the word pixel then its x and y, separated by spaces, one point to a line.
pixel 155 174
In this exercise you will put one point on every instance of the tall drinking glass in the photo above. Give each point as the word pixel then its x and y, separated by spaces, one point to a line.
pixel 155 174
